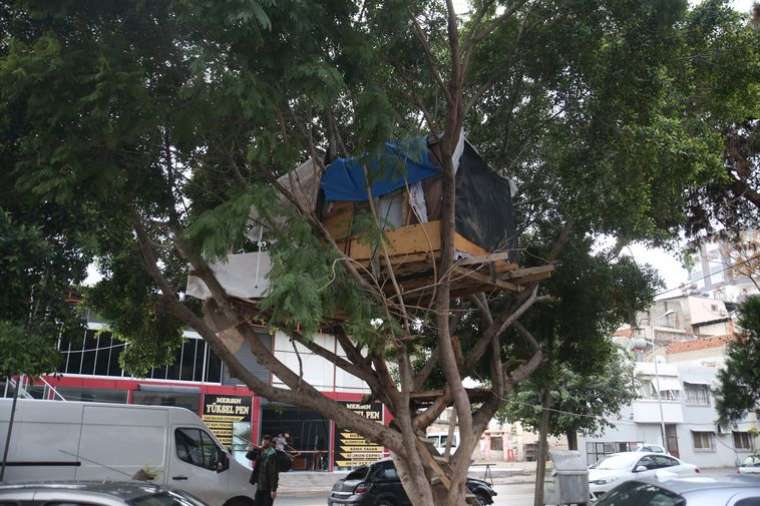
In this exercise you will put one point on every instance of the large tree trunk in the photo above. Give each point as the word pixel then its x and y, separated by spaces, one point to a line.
pixel 572 439
pixel 538 495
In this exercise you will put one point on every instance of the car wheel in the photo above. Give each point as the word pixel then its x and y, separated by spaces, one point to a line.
pixel 483 499
pixel 384 502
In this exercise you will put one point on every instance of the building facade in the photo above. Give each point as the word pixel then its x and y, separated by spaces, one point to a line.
pixel 199 381
pixel 676 409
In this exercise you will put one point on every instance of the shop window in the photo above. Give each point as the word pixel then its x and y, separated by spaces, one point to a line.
pixel 497 443
pixel 93 395
pixel 189 400
pixel 213 367
pixel 172 370
pixel 200 351
pixel 309 433
pixel 89 351
pixel 703 441
pixel 743 441
pixel 187 359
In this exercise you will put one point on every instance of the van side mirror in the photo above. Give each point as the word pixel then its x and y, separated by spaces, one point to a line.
pixel 640 469
pixel 223 463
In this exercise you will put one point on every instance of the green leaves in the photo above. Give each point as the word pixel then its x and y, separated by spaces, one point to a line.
pixel 739 389
pixel 24 351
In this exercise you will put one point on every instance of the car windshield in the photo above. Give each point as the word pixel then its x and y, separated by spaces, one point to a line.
pixel 621 461
pixel 752 461
pixel 167 499
pixel 635 493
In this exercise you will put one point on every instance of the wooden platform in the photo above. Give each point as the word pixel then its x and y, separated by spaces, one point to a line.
pixel 414 251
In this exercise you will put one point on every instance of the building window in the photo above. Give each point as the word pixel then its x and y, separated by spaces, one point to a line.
pixel 743 441
pixel 497 443
pixel 648 391
pixel 93 395
pixel 97 353
pixel 703 441
pixel 697 395
pixel 597 451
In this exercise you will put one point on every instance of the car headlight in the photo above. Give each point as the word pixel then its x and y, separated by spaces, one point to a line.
pixel 599 482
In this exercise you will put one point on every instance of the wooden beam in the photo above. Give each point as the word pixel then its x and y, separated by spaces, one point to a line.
pixel 529 271
pixel 487 280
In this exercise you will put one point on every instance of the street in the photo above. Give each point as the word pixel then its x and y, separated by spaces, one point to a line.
pixel 508 495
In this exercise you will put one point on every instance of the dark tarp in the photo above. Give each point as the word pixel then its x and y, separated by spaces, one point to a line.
pixel 484 213
pixel 400 163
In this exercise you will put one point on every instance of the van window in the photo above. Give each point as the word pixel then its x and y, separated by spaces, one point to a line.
pixel 196 447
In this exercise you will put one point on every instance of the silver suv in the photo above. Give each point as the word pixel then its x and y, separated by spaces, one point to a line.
pixel 695 491
pixel 134 493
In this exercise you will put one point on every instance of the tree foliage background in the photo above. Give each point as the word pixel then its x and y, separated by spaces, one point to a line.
pixel 738 392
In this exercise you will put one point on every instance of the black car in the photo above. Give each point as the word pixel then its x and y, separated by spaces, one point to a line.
pixel 379 485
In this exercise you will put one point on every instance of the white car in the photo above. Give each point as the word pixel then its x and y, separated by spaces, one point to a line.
pixel 620 467
pixel 650 448
pixel 750 465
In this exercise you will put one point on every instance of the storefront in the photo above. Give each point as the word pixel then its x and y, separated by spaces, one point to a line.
pixel 198 381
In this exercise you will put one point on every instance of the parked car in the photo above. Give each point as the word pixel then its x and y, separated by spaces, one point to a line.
pixel 379 485
pixel 620 467
pixel 87 441
pixel 95 494
pixel 650 448
pixel 750 465
pixel 695 491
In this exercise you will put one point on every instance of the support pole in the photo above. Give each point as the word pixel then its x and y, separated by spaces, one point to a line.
pixel 10 430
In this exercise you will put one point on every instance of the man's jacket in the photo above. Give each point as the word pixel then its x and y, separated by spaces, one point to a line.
pixel 266 474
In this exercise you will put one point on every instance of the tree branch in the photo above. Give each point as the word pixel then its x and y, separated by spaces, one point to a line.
pixel 429 55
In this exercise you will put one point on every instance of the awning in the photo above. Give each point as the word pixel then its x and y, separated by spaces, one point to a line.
pixel 702 428
pixel 399 164
pixel 697 376
pixel 666 383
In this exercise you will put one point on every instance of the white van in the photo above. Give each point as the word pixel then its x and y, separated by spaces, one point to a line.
pixel 439 440
pixel 62 440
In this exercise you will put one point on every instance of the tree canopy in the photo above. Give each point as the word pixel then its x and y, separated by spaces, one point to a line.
pixel 155 128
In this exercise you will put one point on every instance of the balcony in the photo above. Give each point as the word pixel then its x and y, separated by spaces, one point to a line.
pixel 648 411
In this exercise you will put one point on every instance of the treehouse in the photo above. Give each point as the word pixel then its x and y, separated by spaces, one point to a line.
pixel 404 181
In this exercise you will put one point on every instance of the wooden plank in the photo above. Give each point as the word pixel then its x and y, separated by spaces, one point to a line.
pixel 487 280
pixel 484 259
pixel 462 244
pixel 529 271
pixel 403 241
pixel 338 224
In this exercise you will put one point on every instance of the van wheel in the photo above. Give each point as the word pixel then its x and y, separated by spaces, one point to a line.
pixel 240 501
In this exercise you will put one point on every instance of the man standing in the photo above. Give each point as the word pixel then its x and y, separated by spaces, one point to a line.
pixel 266 473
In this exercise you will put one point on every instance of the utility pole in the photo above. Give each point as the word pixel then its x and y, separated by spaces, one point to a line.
pixel 10 429
pixel 657 377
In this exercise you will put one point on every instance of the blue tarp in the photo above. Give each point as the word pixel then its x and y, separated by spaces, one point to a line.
pixel 399 163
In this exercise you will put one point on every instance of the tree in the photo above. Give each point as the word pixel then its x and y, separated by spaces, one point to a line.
pixel 166 122
pixel 579 402
pixel 738 392
pixel 715 91
pixel 583 376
